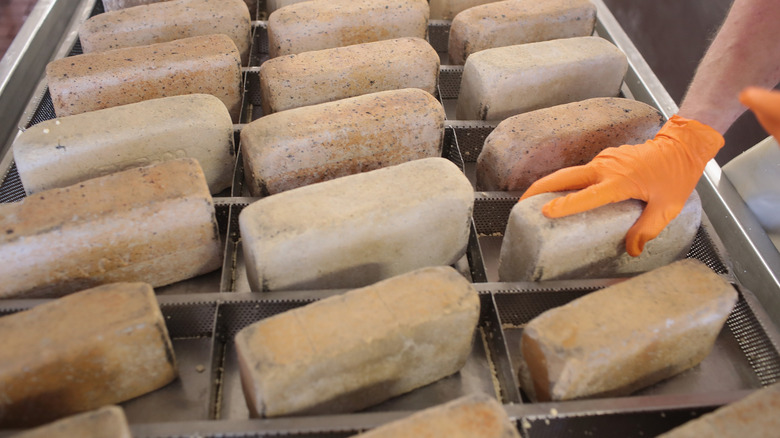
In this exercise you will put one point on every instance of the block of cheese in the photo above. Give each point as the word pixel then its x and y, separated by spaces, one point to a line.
pixel 316 25
pixel 317 143
pixel 449 9
pixel 511 22
pixel 617 340
pixel 167 21
pixel 204 64
pixel 68 150
pixel 332 74
pixel 354 350
pixel 504 81
pixel 115 5
pixel 154 224
pixel 528 146
pixel 356 230
pixel 106 422
pixel 96 347
pixel 470 416
pixel 590 244
pixel 752 416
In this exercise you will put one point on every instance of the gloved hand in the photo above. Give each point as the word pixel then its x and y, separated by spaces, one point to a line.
pixel 662 172
pixel 765 104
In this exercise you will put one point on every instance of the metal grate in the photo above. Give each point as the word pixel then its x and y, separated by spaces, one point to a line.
pixel 235 315
pixel 450 149
pixel 518 308
pixel 758 348
pixel 439 35
pixel 190 319
pixel 449 81
pixel 11 189
pixel 492 214
pixel 471 139
pixel 704 250
pixel 44 111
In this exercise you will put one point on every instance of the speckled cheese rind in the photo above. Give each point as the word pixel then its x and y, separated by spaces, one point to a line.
pixel 106 422
pixel 357 349
pixel 501 82
pixel 358 229
pixel 475 415
pixel 93 348
pixel 449 9
pixel 167 21
pixel 625 337
pixel 154 224
pixel 752 416
pixel 204 64
pixel 332 74
pixel 317 143
pixel 526 147
pixel 68 150
pixel 589 244
pixel 318 25
pixel 115 5
pixel 512 22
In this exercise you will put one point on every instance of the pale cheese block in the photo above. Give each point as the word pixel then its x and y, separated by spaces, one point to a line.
pixel 528 146
pixel 106 422
pixel 449 9
pixel 68 150
pixel 470 416
pixel 93 348
pixel 357 349
pixel 754 416
pixel 332 74
pixel 356 230
pixel 167 21
pixel 501 82
pixel 317 25
pixel 511 22
pixel 318 143
pixel 115 5
pixel 617 340
pixel 154 224
pixel 204 64
pixel 590 244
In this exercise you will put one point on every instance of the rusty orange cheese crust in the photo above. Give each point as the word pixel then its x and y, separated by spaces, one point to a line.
pixel 204 64
pixel 96 347
pixel 155 224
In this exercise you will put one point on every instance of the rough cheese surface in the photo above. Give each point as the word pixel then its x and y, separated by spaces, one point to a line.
pixel 106 422
pixel 449 9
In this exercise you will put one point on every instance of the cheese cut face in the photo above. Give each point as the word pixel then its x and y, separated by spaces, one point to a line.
pixel 96 347
pixel 625 337
pixel 353 350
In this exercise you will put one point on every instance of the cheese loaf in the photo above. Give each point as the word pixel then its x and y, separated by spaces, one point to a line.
pixel 512 22
pixel 167 21
pixel 625 337
pixel 317 143
pixel 354 350
pixel 356 230
pixel 154 224
pixel 204 64
pixel 316 25
pixel 528 146
pixel 96 347
pixel 68 150
pixel 106 422
pixel 590 244
pixel 475 415
pixel 502 82
pixel 327 75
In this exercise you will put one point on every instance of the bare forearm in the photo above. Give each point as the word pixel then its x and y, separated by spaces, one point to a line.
pixel 746 51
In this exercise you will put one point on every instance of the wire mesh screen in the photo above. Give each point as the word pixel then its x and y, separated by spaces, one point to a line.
pixel 11 189
pixel 758 348
pixel 439 35
pixel 234 316
pixel 519 308
pixel 449 81
pixel 704 250
pixel 471 138
pixel 189 320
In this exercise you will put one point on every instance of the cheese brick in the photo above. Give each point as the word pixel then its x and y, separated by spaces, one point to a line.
pixel 317 143
pixel 502 82
pixel 96 347
pixel 470 416
pixel 356 230
pixel 167 21
pixel 590 244
pixel 204 64
pixel 511 22
pixel 106 422
pixel 68 150
pixel 354 350
pixel 332 74
pixel 154 224
pixel 526 147
pixel 449 9
pixel 317 25
pixel 625 337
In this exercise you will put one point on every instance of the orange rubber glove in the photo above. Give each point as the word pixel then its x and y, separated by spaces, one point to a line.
pixel 765 104
pixel 662 172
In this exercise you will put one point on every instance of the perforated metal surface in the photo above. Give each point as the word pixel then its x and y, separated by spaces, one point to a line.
pixel 752 339
pixel 471 138
pixel 439 35
pixel 235 315
pixel 449 81
pixel 189 320
pixel 520 307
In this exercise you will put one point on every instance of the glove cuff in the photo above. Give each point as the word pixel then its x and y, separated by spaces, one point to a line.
pixel 699 140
